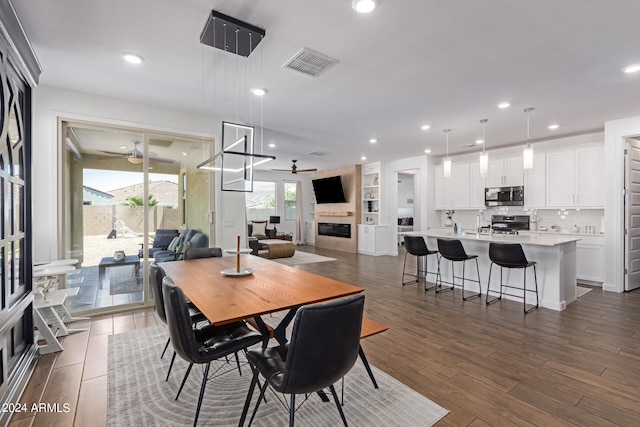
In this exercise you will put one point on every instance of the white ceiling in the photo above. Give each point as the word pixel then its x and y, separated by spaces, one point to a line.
pixel 409 63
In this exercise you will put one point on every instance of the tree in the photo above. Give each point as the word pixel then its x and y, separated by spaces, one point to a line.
pixel 138 201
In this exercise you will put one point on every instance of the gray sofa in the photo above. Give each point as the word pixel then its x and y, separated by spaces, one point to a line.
pixel 188 239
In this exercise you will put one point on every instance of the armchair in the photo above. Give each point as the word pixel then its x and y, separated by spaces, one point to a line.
pixel 256 231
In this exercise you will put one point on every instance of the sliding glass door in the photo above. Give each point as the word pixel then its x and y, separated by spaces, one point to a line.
pixel 120 187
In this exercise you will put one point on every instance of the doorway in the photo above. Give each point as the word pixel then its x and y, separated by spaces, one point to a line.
pixel 406 204
pixel 120 186
pixel 632 214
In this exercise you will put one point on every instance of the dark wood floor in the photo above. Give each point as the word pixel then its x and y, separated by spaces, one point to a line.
pixel 488 365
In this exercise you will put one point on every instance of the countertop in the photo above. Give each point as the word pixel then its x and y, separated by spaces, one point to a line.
pixel 538 240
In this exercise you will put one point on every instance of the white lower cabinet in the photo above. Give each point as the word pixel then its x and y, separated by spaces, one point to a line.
pixel 371 239
pixel 590 259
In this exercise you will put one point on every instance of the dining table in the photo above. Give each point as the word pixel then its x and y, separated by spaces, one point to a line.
pixel 261 287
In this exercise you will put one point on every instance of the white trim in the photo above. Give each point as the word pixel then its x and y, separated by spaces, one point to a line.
pixel 615 134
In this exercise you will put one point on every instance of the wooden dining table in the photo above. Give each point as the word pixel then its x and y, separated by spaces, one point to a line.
pixel 270 288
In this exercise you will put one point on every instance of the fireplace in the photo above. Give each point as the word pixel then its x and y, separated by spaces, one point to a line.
pixel 336 230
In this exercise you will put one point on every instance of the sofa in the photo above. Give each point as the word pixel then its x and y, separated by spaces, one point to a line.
pixel 257 233
pixel 161 241
pixel 175 252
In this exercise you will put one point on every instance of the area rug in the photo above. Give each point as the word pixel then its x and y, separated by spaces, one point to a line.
pixel 138 394
pixel 300 258
pixel 580 290
pixel 124 279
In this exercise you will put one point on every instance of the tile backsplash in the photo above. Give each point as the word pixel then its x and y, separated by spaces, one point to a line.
pixel 565 219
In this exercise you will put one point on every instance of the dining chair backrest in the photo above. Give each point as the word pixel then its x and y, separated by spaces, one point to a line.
pixel 196 253
pixel 507 254
pixel 415 245
pixel 452 249
pixel 156 274
pixel 325 336
pixel 179 323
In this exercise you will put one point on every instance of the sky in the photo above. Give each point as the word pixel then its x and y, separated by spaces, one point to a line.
pixel 106 180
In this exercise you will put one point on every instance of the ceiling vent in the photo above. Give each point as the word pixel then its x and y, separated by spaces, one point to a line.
pixel 318 153
pixel 310 62
pixel 468 146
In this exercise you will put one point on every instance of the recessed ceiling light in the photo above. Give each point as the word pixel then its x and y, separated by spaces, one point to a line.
pixel 272 145
pixel 364 6
pixel 504 105
pixel 425 127
pixel 363 158
pixel 123 147
pixel 373 140
pixel 258 91
pixel 428 150
pixel 631 68
pixel 479 141
pixel 184 154
pixel 132 58
pixel 554 126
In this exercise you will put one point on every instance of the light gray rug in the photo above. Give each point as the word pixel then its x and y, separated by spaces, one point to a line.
pixel 300 258
pixel 138 394
pixel 124 279
pixel 581 290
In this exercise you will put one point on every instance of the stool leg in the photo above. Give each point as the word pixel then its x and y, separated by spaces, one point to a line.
pixel 492 300
pixel 479 294
pixel 535 276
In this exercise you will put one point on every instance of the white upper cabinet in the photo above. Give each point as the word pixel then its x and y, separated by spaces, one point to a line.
pixel 534 183
pixel 452 192
pixel 505 172
pixel 575 178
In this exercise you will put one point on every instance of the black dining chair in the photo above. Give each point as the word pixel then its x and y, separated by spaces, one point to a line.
pixel 324 346
pixel 416 246
pixel 202 345
pixel 156 274
pixel 511 255
pixel 452 250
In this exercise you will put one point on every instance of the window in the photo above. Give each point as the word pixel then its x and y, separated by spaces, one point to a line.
pixel 262 202
pixel 290 200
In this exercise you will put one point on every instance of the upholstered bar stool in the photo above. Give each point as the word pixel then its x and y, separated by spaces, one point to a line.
pixel 453 251
pixel 511 255
pixel 416 246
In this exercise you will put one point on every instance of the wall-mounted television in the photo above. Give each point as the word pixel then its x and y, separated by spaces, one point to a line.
pixel 329 190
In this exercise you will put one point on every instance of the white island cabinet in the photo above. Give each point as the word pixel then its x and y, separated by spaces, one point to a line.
pixel 555 257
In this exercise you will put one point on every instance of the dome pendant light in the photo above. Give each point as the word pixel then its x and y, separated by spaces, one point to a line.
pixel 484 156
pixel 527 153
pixel 446 164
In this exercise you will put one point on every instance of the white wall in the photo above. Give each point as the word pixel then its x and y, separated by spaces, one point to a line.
pixel 615 133
pixel 50 104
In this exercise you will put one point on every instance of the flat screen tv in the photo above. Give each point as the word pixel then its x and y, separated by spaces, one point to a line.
pixel 329 190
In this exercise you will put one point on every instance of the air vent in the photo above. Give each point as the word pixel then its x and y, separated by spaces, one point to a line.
pixel 468 146
pixel 310 62
pixel 318 153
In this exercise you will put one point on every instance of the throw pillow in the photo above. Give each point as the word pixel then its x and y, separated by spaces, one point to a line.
pixel 174 244
pixel 259 228
pixel 182 249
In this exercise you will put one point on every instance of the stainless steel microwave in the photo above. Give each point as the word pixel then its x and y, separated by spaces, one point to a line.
pixel 504 196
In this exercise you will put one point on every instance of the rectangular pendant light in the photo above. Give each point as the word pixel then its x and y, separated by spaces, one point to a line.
pixel 527 157
pixel 484 164
pixel 446 164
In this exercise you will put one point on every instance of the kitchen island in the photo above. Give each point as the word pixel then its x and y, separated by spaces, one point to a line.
pixel 555 257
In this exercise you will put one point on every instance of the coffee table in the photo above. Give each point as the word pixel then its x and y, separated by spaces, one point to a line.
pixel 110 262
pixel 277 248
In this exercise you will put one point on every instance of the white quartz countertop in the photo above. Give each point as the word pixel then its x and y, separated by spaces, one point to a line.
pixel 544 240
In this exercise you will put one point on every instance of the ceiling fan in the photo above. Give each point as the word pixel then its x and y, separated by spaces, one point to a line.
pixel 135 155
pixel 294 169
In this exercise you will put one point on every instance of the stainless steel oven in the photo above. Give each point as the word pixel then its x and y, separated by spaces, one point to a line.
pixel 504 196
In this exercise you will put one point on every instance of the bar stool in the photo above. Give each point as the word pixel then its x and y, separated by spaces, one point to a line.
pixel 415 245
pixel 511 255
pixel 454 251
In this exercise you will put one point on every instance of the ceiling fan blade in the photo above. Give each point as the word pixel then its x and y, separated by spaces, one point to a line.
pixel 113 153
pixel 281 170
pixel 161 160
pixel 306 170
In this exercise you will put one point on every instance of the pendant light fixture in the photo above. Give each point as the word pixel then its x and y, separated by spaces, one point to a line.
pixel 527 153
pixel 446 164
pixel 484 156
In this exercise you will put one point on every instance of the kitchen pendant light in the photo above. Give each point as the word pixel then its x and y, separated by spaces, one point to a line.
pixel 484 156
pixel 446 164
pixel 527 153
